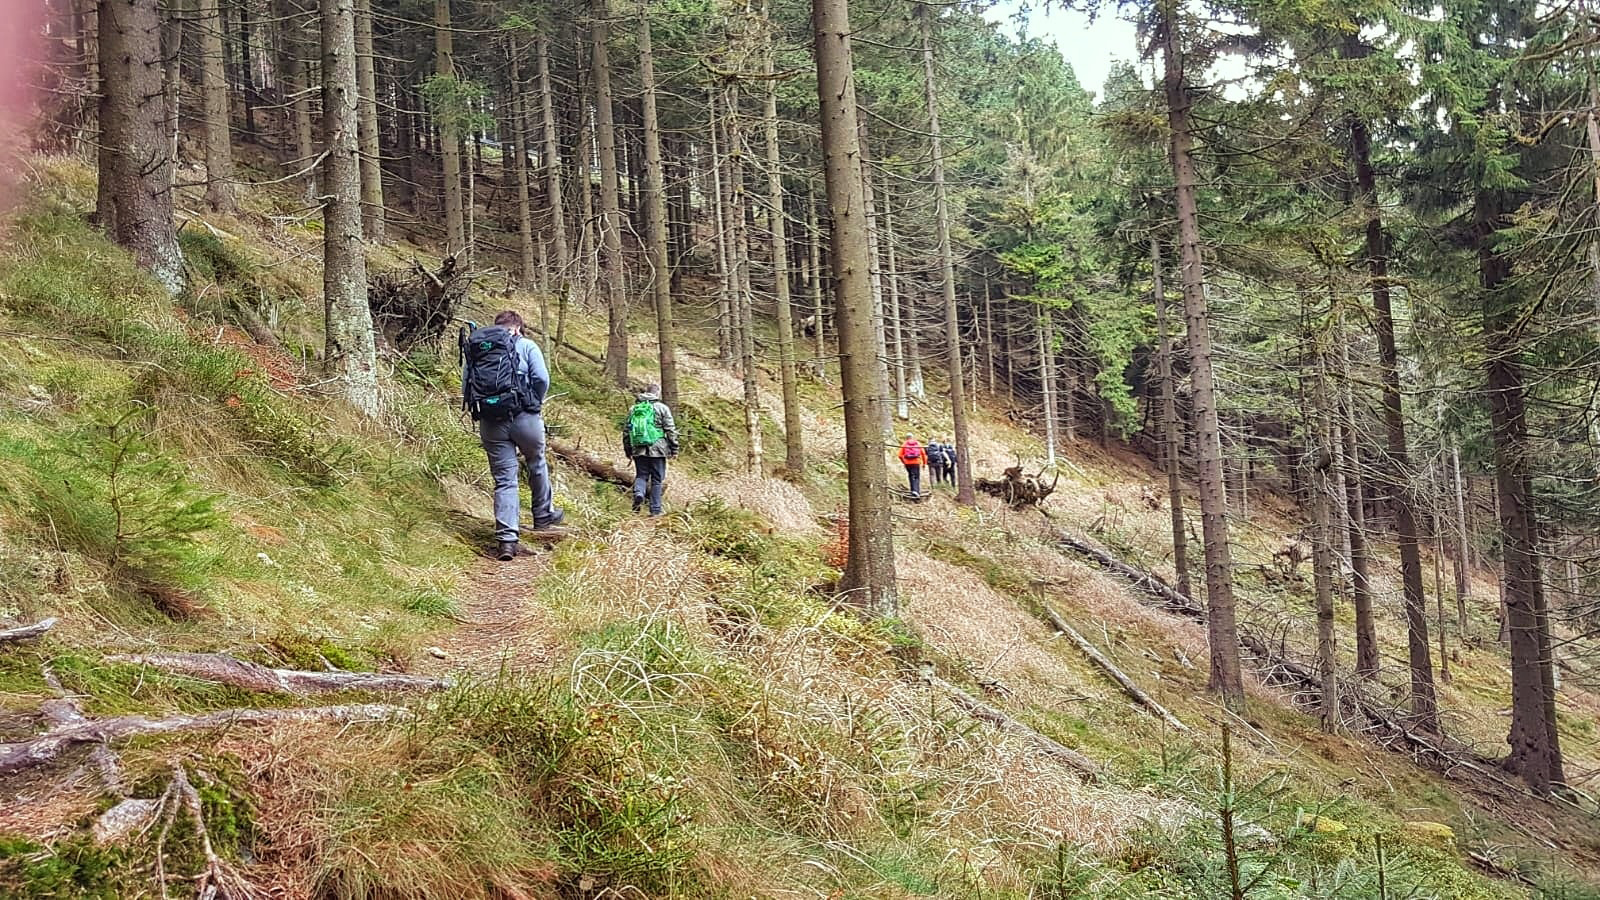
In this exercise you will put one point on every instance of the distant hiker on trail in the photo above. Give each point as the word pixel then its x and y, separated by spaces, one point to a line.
pixel 949 461
pixel 650 438
pixel 503 385
pixel 937 460
pixel 912 455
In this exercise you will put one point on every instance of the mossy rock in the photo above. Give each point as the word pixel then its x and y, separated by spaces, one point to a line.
pixel 1435 834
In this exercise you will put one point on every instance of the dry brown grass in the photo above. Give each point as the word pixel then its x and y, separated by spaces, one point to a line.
pixel 777 501
pixel 963 618
pixel 636 572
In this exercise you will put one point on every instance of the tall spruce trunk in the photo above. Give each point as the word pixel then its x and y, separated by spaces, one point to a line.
pixel 172 77
pixel 988 334
pixel 372 212
pixel 455 226
pixel 135 205
pixel 793 438
pixel 869 574
pixel 1397 463
pixel 616 299
pixel 215 110
pixel 874 237
pixel 655 196
pixel 947 269
pixel 1171 441
pixel 1533 739
pixel 350 357
pixel 1225 678
pixel 297 86
pixel 1367 657
pixel 554 199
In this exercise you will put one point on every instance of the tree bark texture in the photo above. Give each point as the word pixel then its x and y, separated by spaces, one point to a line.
pixel 455 228
pixel 1225 679
pixel 134 159
pixel 372 211
pixel 794 453
pixel 350 356
pixel 655 198
pixel 215 112
pixel 616 298
pixel 1171 440
pixel 869 575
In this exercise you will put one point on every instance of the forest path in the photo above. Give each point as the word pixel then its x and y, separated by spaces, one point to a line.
pixel 501 624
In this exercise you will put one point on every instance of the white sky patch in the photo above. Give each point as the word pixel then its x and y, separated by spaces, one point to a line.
pixel 1090 47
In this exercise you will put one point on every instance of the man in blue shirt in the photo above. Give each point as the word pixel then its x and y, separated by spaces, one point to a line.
pixel 503 437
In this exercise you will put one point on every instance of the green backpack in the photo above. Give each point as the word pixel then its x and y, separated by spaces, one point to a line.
pixel 642 428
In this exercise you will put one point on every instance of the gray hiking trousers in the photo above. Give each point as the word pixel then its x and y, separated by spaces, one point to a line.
pixel 501 440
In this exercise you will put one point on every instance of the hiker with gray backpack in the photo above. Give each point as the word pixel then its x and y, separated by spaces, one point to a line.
pixel 503 386
pixel 650 438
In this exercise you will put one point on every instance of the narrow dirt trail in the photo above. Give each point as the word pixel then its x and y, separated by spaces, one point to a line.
pixel 501 624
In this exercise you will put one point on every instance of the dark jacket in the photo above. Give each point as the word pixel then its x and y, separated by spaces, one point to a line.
pixel 938 454
pixel 668 445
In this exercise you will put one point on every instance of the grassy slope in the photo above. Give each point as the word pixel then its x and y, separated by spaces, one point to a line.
pixel 711 725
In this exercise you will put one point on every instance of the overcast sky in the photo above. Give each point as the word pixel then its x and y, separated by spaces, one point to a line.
pixel 1089 47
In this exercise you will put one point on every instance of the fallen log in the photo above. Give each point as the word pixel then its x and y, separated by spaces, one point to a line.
pixel 1017 489
pixel 983 712
pixel 48 747
pixel 27 632
pixel 222 669
pixel 1095 656
pixel 1143 579
pixel 595 467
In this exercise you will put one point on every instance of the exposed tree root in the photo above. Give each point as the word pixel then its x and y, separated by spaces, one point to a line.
pixel 50 746
pixel 596 468
pixel 27 632
pixel 1017 489
pixel 983 712
pixel 223 669
pixel 1095 656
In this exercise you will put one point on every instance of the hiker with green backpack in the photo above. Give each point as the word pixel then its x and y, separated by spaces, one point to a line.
pixel 650 438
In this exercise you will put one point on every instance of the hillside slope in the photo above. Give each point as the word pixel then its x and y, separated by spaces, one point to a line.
pixel 673 707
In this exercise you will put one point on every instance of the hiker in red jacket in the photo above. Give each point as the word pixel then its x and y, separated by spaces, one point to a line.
pixel 912 455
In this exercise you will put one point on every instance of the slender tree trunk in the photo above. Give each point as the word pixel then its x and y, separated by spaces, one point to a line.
pixel 869 575
pixel 517 110
pixel 553 191
pixel 350 357
pixel 136 209
pixel 298 87
pixel 941 227
pixel 814 235
pixel 725 311
pixel 247 73
pixel 1319 480
pixel 1438 585
pixel 880 328
pixel 172 77
pixel 1463 569
pixel 738 215
pixel 372 211
pixel 1225 678
pixel 214 99
pixel 896 332
pixel 616 299
pixel 455 227
pixel 1171 447
pixel 1424 703
pixel 793 439
pixel 1047 380
pixel 1367 656
pixel 655 195
pixel 988 335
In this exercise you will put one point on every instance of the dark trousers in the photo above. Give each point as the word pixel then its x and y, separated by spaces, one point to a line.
pixel 914 476
pixel 649 473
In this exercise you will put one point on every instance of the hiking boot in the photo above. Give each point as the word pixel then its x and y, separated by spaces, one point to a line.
pixel 556 518
pixel 638 502
pixel 507 551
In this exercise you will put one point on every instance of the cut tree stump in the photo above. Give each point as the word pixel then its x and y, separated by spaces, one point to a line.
pixel 27 632
pixel 1095 656
pixel 222 669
